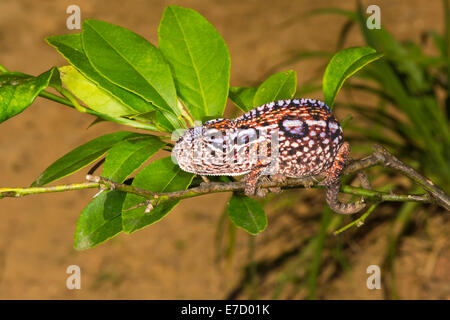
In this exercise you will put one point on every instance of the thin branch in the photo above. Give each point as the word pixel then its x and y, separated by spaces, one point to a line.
pixel 358 222
pixel 20 192
pixel 388 160
pixel 380 156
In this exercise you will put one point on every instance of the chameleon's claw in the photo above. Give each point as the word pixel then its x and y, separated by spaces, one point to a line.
pixel 278 178
pixel 275 189
pixel 261 192
pixel 308 182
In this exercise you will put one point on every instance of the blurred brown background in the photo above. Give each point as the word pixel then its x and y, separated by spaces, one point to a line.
pixel 174 259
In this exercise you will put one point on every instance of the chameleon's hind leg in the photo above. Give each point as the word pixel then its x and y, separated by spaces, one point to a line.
pixel 333 183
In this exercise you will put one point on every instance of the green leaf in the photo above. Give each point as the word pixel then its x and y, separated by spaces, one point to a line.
pixel 278 86
pixel 82 156
pixel 199 59
pixel 342 66
pixel 130 61
pixel 18 91
pixel 247 213
pixel 88 92
pixel 71 48
pixel 159 176
pixel 100 220
pixel 127 156
pixel 243 97
pixel 163 120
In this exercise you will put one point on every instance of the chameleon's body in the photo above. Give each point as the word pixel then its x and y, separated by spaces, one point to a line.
pixel 286 138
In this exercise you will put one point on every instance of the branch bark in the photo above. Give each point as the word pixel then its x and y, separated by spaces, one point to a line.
pixel 380 156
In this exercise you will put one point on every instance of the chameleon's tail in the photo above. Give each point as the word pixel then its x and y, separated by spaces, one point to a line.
pixel 340 207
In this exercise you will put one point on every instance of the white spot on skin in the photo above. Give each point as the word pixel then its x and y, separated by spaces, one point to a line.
pixel 294 144
pixel 336 140
pixel 305 138
pixel 312 133
pixel 320 123
pixel 322 134
pixel 305 149
pixel 311 143
pixel 292 123
pixel 280 103
pixel 326 141
pixel 333 125
pixel 296 101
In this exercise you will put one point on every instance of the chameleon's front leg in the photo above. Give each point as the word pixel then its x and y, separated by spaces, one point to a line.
pixel 251 179
pixel 333 183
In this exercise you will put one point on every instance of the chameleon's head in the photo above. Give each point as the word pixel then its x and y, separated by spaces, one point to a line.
pixel 196 146
pixel 183 151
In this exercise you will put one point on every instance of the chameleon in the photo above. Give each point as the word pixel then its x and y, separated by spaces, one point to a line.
pixel 286 138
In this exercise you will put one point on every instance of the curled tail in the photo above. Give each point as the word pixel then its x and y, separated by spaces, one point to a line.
pixel 341 207
pixel 333 183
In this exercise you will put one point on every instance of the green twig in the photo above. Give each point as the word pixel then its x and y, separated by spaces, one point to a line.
pixel 358 222
pixel 379 157
pixel 20 192
pixel 56 98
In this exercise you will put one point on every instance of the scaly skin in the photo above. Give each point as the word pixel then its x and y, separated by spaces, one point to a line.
pixel 286 138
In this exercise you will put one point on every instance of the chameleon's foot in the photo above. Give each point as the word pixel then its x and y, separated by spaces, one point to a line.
pixel 308 182
pixel 275 189
pixel 278 178
pixel 261 192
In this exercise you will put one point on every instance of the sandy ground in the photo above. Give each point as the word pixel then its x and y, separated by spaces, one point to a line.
pixel 174 259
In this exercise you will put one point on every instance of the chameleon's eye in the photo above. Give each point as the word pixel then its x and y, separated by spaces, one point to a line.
pixel 246 136
pixel 214 139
